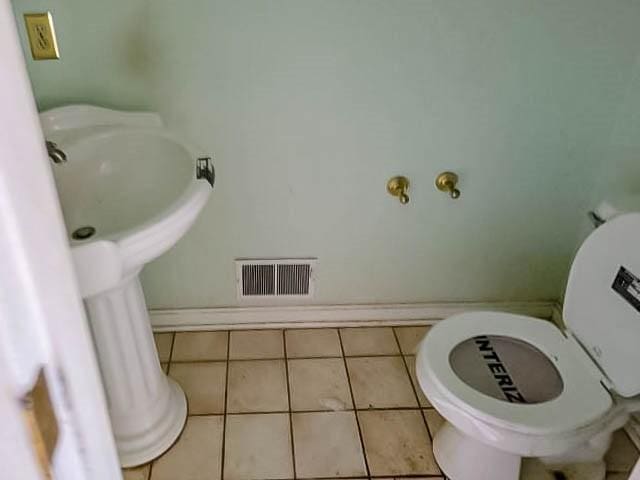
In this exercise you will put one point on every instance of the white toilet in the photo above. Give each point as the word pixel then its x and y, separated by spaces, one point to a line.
pixel 511 386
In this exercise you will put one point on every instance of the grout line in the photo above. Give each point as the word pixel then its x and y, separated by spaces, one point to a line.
pixel 382 477
pixel 415 392
pixel 224 408
pixel 408 477
pixel 289 358
pixel 312 357
pixel 286 368
pixel 353 401
pixel 199 362
pixel 152 462
pixel 413 387
pixel 408 369
pixel 413 475
pixel 269 412
pixel 173 341
pixel 375 355
pixel 218 414
pixel 382 409
pixel 228 360
pixel 629 439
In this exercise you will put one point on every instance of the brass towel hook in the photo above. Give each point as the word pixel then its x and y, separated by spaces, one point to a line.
pixel 398 186
pixel 446 182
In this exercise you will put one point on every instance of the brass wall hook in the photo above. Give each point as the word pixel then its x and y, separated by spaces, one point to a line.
pixel 398 186
pixel 446 182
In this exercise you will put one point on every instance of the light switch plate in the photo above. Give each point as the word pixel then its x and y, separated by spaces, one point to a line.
pixel 42 36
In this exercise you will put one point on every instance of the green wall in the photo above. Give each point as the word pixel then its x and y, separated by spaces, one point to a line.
pixel 310 106
pixel 621 171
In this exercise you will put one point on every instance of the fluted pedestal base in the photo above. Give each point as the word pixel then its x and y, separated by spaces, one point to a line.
pixel 148 410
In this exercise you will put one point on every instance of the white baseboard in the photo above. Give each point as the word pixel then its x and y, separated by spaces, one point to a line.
pixel 228 318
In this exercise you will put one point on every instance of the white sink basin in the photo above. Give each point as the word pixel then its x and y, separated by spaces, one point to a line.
pixel 130 187
pixel 128 178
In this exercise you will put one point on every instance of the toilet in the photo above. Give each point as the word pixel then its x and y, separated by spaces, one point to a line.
pixel 511 386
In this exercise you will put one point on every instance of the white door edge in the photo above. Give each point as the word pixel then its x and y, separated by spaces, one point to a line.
pixel 42 320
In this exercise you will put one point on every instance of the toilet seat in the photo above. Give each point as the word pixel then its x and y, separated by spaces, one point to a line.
pixel 582 401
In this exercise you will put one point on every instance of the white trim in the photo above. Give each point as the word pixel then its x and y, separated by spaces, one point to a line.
pixel 310 316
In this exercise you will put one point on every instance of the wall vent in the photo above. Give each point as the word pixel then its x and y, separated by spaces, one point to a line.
pixel 275 280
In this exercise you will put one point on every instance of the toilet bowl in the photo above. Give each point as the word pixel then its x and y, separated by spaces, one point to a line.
pixel 511 386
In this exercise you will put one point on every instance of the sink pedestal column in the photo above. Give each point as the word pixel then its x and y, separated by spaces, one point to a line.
pixel 148 410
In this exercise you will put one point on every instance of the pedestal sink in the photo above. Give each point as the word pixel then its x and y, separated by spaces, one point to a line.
pixel 129 190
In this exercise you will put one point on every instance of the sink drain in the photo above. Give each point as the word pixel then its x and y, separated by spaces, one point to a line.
pixel 83 233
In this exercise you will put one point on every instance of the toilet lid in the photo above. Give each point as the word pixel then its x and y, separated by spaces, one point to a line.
pixel 602 301
pixel 508 388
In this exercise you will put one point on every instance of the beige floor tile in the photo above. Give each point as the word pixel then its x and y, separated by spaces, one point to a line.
pixel 622 454
pixel 396 442
pixel 380 382
pixel 410 337
pixel 313 342
pixel 411 363
pixel 257 386
pixel 416 478
pixel 434 420
pixel 319 384
pixel 203 383
pixel 327 444
pixel 258 446
pixel 199 346
pixel 617 476
pixel 197 455
pixel 584 471
pixel 533 469
pixel 368 341
pixel 163 345
pixel 138 473
pixel 252 344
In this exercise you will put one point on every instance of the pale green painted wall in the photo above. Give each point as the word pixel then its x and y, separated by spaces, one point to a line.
pixel 621 171
pixel 309 106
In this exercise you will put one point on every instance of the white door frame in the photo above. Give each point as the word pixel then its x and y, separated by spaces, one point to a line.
pixel 42 319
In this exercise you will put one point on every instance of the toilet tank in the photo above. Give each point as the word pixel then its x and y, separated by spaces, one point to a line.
pixel 614 206
pixel 602 300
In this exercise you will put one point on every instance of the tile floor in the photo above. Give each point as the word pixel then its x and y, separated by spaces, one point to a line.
pixel 308 404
